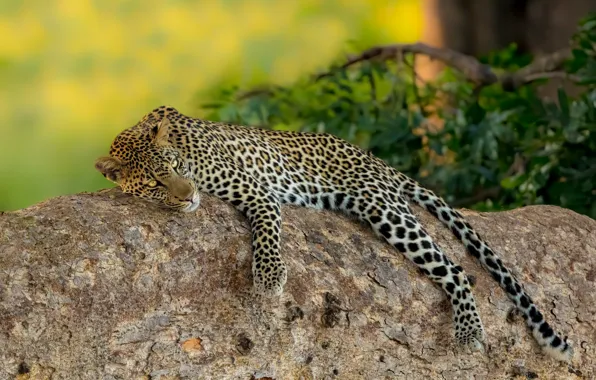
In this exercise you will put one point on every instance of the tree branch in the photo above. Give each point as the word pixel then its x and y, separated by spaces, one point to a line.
pixel 544 67
pixel 468 65
pixel 474 71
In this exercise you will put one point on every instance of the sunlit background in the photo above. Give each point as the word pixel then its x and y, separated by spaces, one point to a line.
pixel 74 73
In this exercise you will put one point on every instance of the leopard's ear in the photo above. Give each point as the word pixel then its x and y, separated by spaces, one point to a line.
pixel 110 167
pixel 161 132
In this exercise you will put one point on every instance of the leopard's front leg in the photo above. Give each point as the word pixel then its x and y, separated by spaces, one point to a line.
pixel 269 270
pixel 262 209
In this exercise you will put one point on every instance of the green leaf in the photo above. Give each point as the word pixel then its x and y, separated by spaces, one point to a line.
pixel 588 25
pixel 513 182
pixel 475 113
pixel 564 104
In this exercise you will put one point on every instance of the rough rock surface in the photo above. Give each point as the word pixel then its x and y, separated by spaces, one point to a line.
pixel 103 286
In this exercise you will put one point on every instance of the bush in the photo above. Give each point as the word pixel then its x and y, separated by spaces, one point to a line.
pixel 492 149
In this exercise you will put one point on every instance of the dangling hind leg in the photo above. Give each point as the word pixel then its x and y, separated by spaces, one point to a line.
pixel 402 230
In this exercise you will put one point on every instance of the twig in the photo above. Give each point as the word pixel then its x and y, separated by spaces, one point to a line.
pixel 416 77
pixel 513 82
pixel 373 87
pixel 255 92
pixel 546 63
pixel 554 74
pixel 540 68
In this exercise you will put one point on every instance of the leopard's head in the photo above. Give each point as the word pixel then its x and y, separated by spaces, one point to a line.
pixel 143 162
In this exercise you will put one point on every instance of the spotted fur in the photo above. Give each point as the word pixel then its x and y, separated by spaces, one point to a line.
pixel 168 158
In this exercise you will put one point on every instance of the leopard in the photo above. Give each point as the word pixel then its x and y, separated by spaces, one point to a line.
pixel 169 159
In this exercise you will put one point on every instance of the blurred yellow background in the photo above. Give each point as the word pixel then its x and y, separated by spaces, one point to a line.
pixel 74 73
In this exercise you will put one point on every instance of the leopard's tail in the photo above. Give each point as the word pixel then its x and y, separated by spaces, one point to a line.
pixel 550 341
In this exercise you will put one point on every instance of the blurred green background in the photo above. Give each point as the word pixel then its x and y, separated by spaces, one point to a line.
pixel 74 73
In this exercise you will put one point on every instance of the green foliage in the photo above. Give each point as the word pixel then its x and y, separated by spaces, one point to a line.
pixel 495 150
pixel 583 63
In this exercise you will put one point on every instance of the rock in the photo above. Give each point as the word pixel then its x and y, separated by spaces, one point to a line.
pixel 104 286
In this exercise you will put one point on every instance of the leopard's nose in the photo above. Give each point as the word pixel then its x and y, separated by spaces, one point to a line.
pixel 182 190
pixel 186 195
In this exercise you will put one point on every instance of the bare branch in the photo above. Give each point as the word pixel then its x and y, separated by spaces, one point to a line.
pixel 468 65
pixel 546 63
pixel 554 74
pixel 539 69
pixel 544 67
pixel 268 90
pixel 547 66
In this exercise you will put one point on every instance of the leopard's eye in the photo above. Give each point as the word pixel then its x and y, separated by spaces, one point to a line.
pixel 175 163
pixel 152 183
